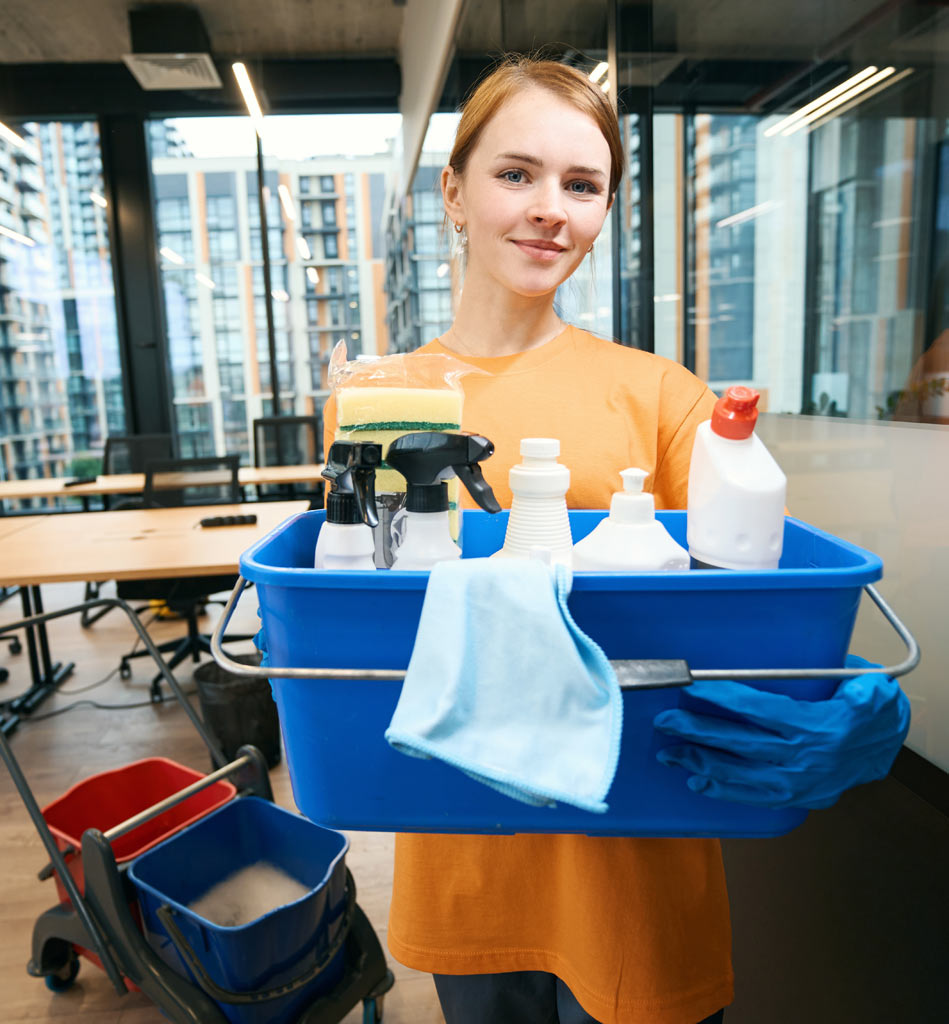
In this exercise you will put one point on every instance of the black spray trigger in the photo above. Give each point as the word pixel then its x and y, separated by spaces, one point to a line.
pixel 471 476
pixel 364 492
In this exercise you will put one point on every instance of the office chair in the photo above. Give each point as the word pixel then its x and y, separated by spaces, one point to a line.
pixel 125 453
pixel 171 483
pixel 289 441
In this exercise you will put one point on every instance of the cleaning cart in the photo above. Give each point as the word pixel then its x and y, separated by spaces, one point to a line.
pixel 786 630
pixel 130 849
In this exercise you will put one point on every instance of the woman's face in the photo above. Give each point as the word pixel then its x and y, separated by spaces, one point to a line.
pixel 534 194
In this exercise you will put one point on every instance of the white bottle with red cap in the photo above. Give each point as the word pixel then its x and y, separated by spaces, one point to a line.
pixel 736 490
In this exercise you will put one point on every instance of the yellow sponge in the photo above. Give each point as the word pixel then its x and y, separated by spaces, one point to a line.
pixel 382 414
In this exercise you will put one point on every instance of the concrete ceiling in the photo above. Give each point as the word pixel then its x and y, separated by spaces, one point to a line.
pixel 47 31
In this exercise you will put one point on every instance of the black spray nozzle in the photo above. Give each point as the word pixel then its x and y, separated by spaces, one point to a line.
pixel 429 458
pixel 351 470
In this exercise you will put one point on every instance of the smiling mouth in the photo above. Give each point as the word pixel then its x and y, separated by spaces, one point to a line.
pixel 539 250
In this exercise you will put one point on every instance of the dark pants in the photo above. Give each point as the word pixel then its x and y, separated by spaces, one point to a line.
pixel 517 997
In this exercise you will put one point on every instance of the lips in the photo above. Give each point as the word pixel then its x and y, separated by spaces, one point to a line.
pixel 539 249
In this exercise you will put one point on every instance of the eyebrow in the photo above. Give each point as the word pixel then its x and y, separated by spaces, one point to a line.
pixel 525 158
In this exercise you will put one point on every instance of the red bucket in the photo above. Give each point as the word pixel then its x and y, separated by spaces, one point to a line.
pixel 104 800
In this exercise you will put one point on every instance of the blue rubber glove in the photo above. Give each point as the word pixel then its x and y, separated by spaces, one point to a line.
pixel 786 752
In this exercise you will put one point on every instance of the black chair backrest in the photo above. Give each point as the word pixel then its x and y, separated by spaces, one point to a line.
pixel 128 453
pixel 288 440
pixel 205 481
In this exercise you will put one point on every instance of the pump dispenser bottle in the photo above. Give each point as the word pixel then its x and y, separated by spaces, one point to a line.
pixel 736 490
pixel 427 460
pixel 630 539
pixel 539 517
pixel 345 540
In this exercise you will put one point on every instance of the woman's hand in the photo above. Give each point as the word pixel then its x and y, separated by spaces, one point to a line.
pixel 783 752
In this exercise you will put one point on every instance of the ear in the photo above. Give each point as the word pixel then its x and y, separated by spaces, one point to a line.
pixel 451 196
pixel 609 205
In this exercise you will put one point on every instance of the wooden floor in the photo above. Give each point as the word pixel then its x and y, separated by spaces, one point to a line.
pixel 60 751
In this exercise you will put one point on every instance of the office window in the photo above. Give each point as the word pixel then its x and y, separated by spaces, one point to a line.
pixel 327 183
pixel 330 247
pixel 60 379
pixel 328 211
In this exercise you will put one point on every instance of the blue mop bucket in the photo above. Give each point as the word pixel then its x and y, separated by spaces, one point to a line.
pixel 269 970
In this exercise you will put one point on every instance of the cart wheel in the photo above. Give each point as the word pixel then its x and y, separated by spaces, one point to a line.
pixel 372 1011
pixel 125 670
pixel 62 979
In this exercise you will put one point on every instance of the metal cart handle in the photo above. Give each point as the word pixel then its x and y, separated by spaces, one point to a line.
pixel 638 674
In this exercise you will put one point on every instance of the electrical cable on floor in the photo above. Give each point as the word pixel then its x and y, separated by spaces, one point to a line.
pixel 110 675
pixel 101 707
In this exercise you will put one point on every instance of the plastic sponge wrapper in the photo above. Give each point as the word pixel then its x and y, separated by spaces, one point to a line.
pixel 380 398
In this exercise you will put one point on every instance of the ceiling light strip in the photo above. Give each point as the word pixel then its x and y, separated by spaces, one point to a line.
pixel 250 97
pixel 860 99
pixel 867 83
pixel 786 122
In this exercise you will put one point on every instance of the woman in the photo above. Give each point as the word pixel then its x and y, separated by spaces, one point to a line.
pixel 538 929
pixel 533 928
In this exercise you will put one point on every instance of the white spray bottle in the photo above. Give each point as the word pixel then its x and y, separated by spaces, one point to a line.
pixel 345 541
pixel 630 539
pixel 426 460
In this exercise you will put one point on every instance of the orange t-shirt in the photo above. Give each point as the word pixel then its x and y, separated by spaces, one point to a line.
pixel 638 929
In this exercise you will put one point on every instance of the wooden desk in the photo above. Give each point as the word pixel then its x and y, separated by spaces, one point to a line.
pixel 135 544
pixel 134 483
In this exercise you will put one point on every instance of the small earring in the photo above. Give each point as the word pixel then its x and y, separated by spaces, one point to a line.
pixel 459 228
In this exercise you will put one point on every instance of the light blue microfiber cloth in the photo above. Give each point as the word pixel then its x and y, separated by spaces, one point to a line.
pixel 504 685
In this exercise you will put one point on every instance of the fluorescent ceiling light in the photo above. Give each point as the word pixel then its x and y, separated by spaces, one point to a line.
pixel 786 122
pixel 280 295
pixel 16 236
pixel 11 136
pixel 98 199
pixel 303 249
pixel 204 279
pixel 749 214
pixel 354 305
pixel 250 97
pixel 599 71
pixel 287 200
pixel 606 86
pixel 171 255
pixel 312 275
pixel 824 115
pixel 441 270
pixel 867 83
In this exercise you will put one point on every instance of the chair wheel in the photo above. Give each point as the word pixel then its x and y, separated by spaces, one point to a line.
pixel 15 646
pixel 62 979
pixel 125 670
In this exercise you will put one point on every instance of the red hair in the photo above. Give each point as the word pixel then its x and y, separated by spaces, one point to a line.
pixel 518 73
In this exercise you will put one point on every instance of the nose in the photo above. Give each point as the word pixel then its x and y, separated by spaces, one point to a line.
pixel 547 207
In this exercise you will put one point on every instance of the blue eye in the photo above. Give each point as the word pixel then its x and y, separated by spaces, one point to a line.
pixel 514 177
pixel 582 188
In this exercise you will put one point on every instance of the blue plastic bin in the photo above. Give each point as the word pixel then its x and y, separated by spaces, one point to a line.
pixel 274 949
pixel 344 773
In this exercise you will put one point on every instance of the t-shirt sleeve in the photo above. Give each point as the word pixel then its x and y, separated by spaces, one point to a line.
pixel 686 402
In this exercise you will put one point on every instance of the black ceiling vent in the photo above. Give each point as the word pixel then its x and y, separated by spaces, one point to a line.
pixel 170 48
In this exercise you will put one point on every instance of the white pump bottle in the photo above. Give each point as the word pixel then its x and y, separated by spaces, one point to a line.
pixel 630 539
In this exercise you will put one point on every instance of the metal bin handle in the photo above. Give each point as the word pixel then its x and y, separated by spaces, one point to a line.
pixel 632 674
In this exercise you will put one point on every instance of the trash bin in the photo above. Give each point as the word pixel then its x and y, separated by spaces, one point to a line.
pixel 238 710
